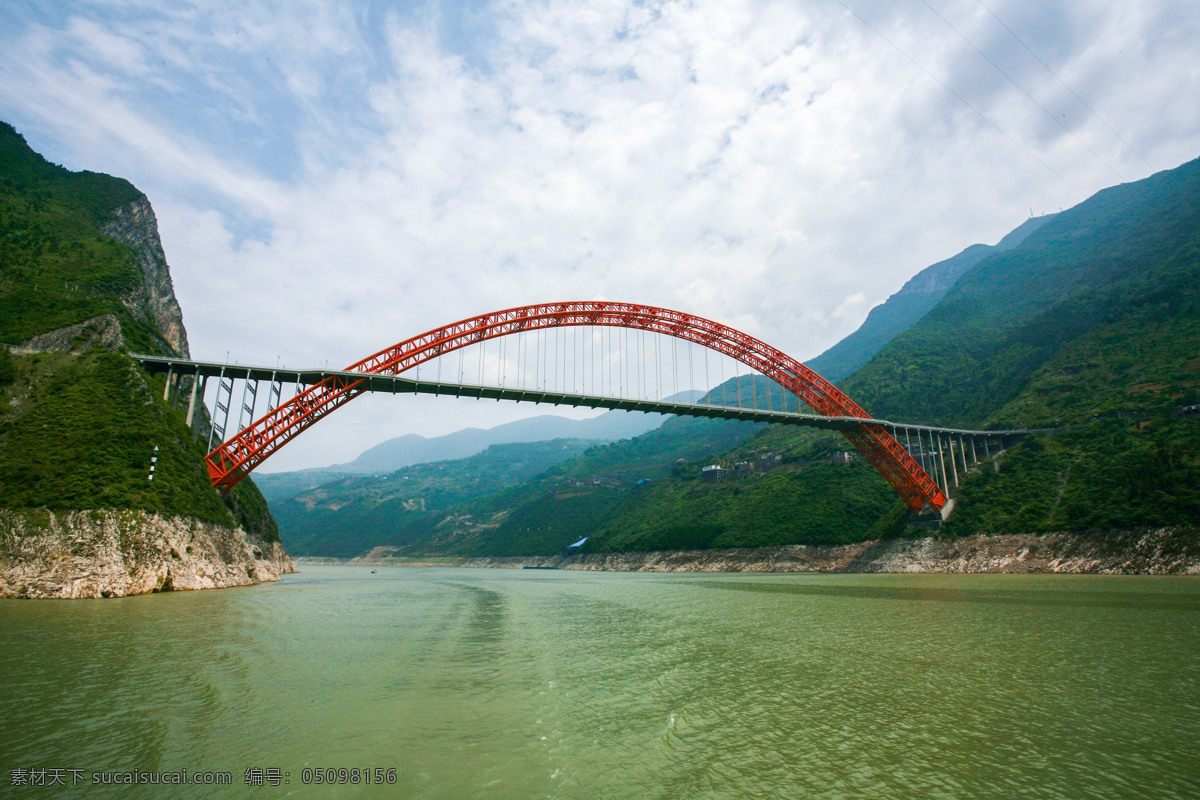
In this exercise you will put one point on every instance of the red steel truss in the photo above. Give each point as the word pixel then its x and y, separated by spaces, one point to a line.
pixel 239 455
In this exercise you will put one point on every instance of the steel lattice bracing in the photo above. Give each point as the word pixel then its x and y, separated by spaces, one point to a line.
pixel 251 446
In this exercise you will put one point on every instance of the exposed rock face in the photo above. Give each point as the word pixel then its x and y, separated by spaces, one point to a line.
pixel 78 554
pixel 103 331
pixel 1157 552
pixel 136 226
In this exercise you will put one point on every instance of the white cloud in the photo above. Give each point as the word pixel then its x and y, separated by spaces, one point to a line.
pixel 330 178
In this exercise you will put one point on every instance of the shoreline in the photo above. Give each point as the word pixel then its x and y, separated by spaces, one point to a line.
pixel 1162 551
pixel 119 553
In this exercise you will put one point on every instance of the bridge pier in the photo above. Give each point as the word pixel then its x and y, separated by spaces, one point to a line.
pixel 191 412
pixel 249 393
pixel 942 466
pixel 953 463
pixel 274 393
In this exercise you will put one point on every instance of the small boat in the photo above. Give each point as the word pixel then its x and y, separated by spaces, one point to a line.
pixel 374 571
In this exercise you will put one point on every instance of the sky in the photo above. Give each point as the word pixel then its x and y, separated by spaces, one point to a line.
pixel 332 177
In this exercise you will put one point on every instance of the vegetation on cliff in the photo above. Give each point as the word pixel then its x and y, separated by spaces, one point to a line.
pixel 81 432
pixel 1097 311
pixel 914 300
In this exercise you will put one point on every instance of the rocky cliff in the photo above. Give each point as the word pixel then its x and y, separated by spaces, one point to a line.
pixel 153 299
pixel 103 332
pixel 79 554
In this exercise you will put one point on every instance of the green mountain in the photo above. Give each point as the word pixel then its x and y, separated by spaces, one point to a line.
pixel 1090 325
pixel 404 451
pixel 496 500
pixel 914 300
pixel 1093 313
pixel 66 261
pixel 356 513
pixel 84 281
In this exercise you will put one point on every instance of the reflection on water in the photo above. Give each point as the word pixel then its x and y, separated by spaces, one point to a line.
pixel 485 684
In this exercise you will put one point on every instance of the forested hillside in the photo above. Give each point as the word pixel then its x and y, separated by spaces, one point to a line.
pixel 906 307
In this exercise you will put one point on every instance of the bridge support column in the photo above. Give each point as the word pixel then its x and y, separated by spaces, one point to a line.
pixel 931 457
pixel 249 395
pixel 273 396
pixel 167 385
pixel 942 466
pixel 953 463
pixel 192 401
pixel 203 393
pixel 974 455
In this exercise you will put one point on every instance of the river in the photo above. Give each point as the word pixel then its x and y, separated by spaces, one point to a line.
pixel 560 684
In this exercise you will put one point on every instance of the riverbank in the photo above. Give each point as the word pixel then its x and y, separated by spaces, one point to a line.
pixel 1155 552
pixel 108 553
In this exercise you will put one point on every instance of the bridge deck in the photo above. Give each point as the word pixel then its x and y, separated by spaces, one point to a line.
pixel 401 384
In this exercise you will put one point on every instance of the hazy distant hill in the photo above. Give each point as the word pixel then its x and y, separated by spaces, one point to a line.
pixel 354 513
pixel 414 449
pixel 501 500
pixel 411 449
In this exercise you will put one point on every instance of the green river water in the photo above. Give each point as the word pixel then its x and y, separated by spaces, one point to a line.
pixel 562 684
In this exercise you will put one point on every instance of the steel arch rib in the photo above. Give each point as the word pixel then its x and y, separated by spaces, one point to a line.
pixel 240 454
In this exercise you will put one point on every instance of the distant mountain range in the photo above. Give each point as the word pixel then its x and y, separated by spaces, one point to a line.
pixel 412 448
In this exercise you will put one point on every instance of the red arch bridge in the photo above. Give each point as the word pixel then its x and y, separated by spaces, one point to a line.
pixel 592 354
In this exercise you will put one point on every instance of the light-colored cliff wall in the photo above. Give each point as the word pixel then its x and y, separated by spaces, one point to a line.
pixel 78 554
pixel 136 226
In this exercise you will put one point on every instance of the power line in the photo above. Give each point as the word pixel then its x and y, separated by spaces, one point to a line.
pixel 961 99
pixel 1063 83
pixel 1032 99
